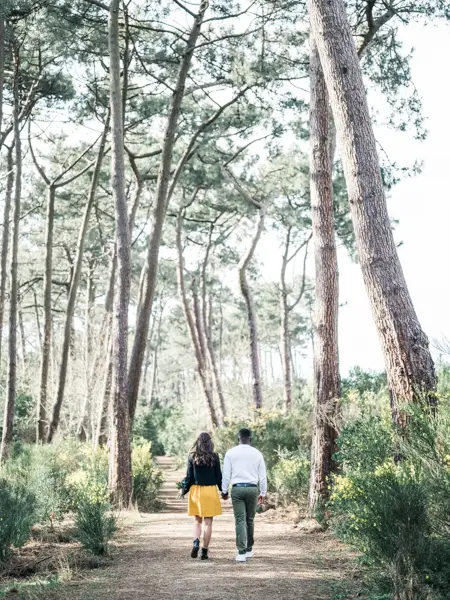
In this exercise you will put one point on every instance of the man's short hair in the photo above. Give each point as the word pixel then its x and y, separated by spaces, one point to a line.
pixel 244 434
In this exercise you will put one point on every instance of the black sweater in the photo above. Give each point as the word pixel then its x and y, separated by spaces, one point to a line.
pixel 199 475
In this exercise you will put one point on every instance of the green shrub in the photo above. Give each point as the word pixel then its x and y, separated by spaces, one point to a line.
pixel 147 478
pixel 168 429
pixel 289 478
pixel 17 516
pixel 57 473
pixel 398 513
pixel 95 524
pixel 272 433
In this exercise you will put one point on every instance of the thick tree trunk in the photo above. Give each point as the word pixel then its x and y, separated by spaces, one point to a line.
pixel 326 356
pixel 47 341
pixel 197 345
pixel 74 284
pixel 251 313
pixel 5 241
pixel 409 365
pixel 120 478
pixel 8 421
pixel 159 214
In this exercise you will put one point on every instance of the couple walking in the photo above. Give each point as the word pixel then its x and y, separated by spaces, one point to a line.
pixel 244 469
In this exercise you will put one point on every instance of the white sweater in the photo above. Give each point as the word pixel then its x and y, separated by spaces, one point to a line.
pixel 244 464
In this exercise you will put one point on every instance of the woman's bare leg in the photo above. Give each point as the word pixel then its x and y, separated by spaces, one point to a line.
pixel 207 531
pixel 197 528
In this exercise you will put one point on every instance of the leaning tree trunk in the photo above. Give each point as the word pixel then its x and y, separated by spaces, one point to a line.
pixel 8 421
pixel 5 241
pixel 74 284
pixel 251 313
pixel 409 365
pixel 326 357
pixel 196 339
pixel 159 214
pixel 120 479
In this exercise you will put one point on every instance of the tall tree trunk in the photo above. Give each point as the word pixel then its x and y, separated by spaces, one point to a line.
pixel 2 60
pixel 47 341
pixel 74 284
pixel 101 436
pixel 159 214
pixel 38 320
pixel 285 330
pixel 409 365
pixel 152 385
pixel 206 312
pixel 8 421
pixel 120 479
pixel 191 323
pixel 5 240
pixel 251 312
pixel 326 356
pixel 83 423
pixel 23 342
pixel 214 365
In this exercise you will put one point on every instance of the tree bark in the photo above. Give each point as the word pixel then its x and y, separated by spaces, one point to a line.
pixel 194 333
pixel 251 312
pixel 159 214
pixel 214 365
pixel 409 365
pixel 83 422
pixel 101 436
pixel 5 240
pixel 2 61
pixel 47 339
pixel 120 478
pixel 23 342
pixel 206 318
pixel 326 355
pixel 285 330
pixel 73 292
pixel 8 421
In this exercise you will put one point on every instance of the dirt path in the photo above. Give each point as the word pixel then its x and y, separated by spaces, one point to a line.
pixel 153 560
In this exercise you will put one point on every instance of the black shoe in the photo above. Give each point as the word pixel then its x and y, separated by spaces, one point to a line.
pixel 195 549
pixel 204 555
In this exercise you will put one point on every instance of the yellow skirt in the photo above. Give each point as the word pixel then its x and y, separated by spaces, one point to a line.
pixel 204 501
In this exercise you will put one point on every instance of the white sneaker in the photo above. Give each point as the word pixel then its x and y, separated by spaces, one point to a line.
pixel 241 558
pixel 250 554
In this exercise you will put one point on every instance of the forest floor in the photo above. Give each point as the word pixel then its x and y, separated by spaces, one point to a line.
pixel 150 560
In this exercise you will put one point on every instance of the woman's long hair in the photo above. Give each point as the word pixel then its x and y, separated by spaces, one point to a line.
pixel 202 451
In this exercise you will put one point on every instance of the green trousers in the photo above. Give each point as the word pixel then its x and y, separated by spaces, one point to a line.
pixel 245 500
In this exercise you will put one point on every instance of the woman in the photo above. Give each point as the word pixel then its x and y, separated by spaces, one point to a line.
pixel 202 480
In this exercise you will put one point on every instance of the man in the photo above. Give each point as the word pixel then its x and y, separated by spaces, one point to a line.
pixel 244 468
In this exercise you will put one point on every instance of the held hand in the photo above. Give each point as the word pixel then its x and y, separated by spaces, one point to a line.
pixel 224 496
pixel 261 500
